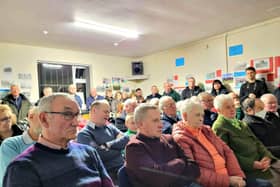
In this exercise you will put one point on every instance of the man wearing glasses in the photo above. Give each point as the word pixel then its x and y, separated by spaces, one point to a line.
pixel 54 160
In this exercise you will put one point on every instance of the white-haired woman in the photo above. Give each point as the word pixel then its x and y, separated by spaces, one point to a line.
pixel 217 163
pixel 253 157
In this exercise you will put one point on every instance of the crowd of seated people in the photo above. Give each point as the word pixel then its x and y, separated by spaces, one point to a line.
pixel 238 153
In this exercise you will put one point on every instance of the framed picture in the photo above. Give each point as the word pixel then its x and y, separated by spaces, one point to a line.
pixel 262 65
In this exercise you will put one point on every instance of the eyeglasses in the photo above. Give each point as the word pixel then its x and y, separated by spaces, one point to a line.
pixel 5 119
pixel 67 115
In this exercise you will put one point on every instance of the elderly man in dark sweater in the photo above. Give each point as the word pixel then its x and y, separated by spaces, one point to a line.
pixel 106 138
pixel 54 160
pixel 153 159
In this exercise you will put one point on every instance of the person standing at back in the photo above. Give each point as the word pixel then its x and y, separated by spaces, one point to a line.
pixel 72 90
pixel 17 102
pixel 252 88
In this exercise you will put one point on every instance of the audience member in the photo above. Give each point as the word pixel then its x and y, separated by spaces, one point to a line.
pixel 252 88
pixel 8 126
pixel 13 146
pixel 264 130
pixel 201 144
pixel 154 101
pixel 17 102
pixel 254 159
pixel 169 116
pixel 154 93
pixel 130 124
pixel 109 97
pixel 168 91
pixel 191 89
pixel 93 96
pixel 139 95
pixel 54 160
pixel 206 100
pixel 128 107
pixel 276 92
pixel 271 109
pixel 72 90
pixel 106 138
pixel 153 159
pixel 237 105
pixel 46 92
pixel 117 103
pixel 218 88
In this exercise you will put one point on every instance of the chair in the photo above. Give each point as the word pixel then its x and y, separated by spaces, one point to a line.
pixel 123 178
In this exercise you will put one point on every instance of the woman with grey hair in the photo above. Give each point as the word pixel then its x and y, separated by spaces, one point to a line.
pixel 253 157
pixel 200 143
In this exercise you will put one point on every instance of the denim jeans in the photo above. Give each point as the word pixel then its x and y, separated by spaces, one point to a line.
pixel 256 182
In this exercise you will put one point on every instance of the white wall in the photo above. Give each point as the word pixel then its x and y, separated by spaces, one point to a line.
pixel 208 55
pixel 201 57
pixel 23 59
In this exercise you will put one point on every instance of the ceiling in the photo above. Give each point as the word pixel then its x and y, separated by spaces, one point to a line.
pixel 163 24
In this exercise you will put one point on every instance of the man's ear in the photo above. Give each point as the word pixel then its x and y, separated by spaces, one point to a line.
pixel 43 119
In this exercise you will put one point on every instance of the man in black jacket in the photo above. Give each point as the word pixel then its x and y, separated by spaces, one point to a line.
pixel 252 88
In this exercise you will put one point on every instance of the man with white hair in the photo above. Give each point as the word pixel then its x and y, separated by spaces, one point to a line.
pixel 153 159
pixel 169 113
pixel 272 113
pixel 54 160
pixel 253 157
pixel 265 130
pixel 128 107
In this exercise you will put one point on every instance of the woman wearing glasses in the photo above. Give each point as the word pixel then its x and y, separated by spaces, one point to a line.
pixel 8 127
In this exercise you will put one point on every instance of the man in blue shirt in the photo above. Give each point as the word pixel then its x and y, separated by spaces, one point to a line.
pixel 13 146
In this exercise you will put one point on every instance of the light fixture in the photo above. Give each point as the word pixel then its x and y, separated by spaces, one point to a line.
pixel 45 32
pixel 106 28
pixel 53 66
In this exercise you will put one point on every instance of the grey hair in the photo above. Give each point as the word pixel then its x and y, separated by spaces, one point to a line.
pixel 45 104
pixel 202 95
pixel 128 102
pixel 141 111
pixel 154 101
pixel 264 97
pixel 162 101
pixel 220 99
pixel 248 103
pixel 188 105
pixel 97 103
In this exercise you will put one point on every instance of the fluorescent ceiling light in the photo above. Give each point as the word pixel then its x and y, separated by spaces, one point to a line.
pixel 107 28
pixel 53 66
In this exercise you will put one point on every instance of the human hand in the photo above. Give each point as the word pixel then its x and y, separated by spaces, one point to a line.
pixel 266 163
pixel 236 181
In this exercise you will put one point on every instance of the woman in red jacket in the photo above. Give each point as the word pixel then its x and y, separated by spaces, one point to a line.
pixel 218 165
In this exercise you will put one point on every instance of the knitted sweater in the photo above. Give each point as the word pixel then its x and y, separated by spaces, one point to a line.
pixel 78 165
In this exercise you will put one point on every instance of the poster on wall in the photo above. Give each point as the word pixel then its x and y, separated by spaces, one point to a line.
pixel 263 65
pixel 25 81
pixel 240 66
pixel 7 77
